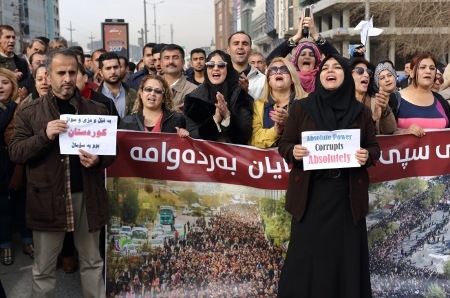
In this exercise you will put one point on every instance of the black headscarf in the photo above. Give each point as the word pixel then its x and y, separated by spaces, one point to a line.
pixel 333 109
pixel 231 81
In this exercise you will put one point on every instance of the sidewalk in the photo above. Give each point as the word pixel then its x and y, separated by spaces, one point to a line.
pixel 16 279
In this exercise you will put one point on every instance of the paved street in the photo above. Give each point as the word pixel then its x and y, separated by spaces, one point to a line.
pixel 16 279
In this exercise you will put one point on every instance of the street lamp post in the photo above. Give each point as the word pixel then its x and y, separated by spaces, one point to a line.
pixel 145 21
pixel 154 14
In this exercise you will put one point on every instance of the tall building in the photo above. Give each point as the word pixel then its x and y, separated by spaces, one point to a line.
pixel 31 18
pixel 225 12
pixel 274 21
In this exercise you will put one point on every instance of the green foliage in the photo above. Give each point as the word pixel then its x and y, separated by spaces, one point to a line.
pixel 375 236
pixel 114 207
pixel 434 291
pixel 436 192
pixel 130 209
pixel 190 197
pixel 392 227
pixel 447 269
pixel 407 188
pixel 148 188
pixel 277 219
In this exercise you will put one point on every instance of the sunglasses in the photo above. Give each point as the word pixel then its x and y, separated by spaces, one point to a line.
pixel 440 80
pixel 360 71
pixel 156 90
pixel 220 65
pixel 282 70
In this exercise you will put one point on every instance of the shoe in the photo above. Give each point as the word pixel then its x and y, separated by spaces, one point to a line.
pixel 69 264
pixel 6 256
pixel 28 249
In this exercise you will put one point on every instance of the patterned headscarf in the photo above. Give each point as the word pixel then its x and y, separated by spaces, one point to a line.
pixel 307 79
pixel 379 69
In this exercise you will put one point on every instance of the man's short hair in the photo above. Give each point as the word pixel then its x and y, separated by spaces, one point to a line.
pixel 259 54
pixel 131 66
pixel 148 45
pixel 79 51
pixel 61 51
pixel 173 47
pixel 87 56
pixel 124 59
pixel 107 56
pixel 31 43
pixel 239 32
pixel 7 28
pixel 198 50
pixel 44 39
pixel 59 39
pixel 36 53
pixel 101 50
pixel 157 48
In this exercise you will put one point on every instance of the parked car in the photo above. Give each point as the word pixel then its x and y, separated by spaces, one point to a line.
pixel 156 232
pixel 115 229
pixel 139 235
pixel 125 230
pixel 157 242
pixel 186 211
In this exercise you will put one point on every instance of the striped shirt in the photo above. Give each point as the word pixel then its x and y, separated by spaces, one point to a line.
pixel 429 117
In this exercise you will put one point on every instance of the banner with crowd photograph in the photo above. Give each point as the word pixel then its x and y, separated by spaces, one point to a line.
pixel 207 219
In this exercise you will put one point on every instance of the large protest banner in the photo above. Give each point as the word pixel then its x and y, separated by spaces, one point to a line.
pixel 190 217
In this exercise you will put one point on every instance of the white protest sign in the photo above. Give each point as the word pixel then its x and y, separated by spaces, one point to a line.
pixel 331 149
pixel 95 134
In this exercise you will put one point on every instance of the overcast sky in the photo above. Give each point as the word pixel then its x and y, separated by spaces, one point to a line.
pixel 192 20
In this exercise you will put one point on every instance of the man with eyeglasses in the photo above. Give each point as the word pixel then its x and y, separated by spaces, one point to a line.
pixel 240 49
pixel 172 62
pixel 112 87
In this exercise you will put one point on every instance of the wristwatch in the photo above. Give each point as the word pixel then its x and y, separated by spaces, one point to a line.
pixel 320 40
pixel 291 43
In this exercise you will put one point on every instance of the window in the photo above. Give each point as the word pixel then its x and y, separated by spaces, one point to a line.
pixel 291 14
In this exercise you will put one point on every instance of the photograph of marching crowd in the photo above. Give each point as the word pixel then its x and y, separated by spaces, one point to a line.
pixel 225 245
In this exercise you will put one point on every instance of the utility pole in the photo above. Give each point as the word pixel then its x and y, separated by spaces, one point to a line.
pixel 154 14
pixel 171 33
pixel 145 21
pixel 92 43
pixel 71 30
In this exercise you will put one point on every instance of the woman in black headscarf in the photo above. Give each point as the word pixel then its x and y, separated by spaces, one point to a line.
pixel 219 110
pixel 328 253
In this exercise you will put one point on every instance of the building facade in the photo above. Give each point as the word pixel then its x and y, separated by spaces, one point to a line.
pixel 31 18
pixel 274 21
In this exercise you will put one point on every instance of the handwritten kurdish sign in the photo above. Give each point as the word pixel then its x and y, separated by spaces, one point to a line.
pixel 331 149
pixel 95 134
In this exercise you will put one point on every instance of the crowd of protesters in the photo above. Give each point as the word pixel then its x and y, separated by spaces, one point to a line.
pixel 393 272
pixel 228 256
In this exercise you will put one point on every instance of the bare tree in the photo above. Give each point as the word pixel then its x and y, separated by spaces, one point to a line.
pixel 420 25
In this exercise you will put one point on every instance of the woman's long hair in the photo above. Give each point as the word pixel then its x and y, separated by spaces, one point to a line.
pixel 167 95
pixel 295 87
pixel 13 80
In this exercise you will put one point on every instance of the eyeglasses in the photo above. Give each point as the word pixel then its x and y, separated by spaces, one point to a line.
pixel 156 90
pixel 282 70
pixel 220 65
pixel 440 80
pixel 360 71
